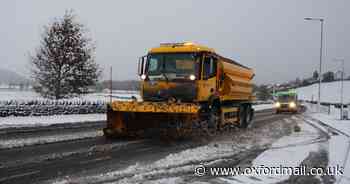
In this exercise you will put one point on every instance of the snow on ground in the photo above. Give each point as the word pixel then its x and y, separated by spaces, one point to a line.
pixel 185 161
pixel 330 92
pixel 181 162
pixel 332 119
pixel 6 95
pixel 288 151
pixel 263 107
pixel 23 96
pixel 339 145
pixel 20 142
pixel 339 155
pixel 61 154
pixel 33 121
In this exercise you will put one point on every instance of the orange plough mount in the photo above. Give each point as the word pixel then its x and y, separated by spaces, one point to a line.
pixel 157 107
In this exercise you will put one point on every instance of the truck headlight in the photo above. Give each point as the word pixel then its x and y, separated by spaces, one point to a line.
pixel 277 104
pixel 192 77
pixel 143 76
pixel 292 105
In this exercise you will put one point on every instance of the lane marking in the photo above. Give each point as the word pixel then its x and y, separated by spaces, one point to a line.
pixel 19 175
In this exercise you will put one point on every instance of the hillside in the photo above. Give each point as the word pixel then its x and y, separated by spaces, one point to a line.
pixel 330 92
pixel 8 76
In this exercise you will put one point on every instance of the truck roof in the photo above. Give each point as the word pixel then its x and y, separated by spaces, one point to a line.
pixel 282 93
pixel 189 47
pixel 180 47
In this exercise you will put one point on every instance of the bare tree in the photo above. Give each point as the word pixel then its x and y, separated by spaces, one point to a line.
pixel 64 65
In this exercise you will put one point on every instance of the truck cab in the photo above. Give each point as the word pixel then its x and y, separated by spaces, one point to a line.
pixel 181 72
pixel 188 72
pixel 286 102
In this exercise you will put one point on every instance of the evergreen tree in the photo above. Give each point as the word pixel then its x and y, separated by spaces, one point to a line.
pixel 64 64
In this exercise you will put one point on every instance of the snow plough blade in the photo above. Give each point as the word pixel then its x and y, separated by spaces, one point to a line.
pixel 129 119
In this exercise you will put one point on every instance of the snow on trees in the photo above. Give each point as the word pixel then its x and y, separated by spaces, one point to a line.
pixel 64 65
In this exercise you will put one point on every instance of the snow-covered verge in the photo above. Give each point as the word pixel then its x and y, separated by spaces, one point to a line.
pixel 330 117
pixel 330 92
pixel 263 107
pixel 288 151
pixel 25 96
pixel 34 121
pixel 339 144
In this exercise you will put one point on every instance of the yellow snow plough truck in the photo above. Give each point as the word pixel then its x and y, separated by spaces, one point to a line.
pixel 184 87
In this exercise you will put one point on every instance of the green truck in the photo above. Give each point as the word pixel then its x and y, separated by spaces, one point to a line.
pixel 286 101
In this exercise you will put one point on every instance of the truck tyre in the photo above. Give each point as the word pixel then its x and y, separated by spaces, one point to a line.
pixel 250 114
pixel 242 117
pixel 214 121
pixel 107 134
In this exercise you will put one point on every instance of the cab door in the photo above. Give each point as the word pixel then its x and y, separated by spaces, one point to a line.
pixel 207 85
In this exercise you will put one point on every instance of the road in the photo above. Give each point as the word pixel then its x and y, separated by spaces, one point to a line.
pixel 101 160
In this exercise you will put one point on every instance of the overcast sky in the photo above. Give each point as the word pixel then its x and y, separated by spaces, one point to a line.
pixel 269 36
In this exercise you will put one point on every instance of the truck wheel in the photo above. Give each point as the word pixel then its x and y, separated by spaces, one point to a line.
pixel 250 114
pixel 214 121
pixel 242 117
pixel 107 133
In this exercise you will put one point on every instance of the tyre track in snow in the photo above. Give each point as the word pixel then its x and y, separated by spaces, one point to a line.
pixel 161 168
pixel 42 162
pixel 21 137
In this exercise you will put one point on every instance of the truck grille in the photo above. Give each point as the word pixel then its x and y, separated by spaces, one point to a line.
pixel 284 105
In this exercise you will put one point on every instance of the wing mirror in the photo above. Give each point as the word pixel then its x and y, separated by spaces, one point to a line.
pixel 141 65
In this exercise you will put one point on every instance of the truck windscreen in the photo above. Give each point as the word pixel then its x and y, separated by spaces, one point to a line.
pixel 173 65
pixel 286 98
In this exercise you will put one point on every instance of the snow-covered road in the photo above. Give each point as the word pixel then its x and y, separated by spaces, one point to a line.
pixel 273 140
pixel 178 167
pixel 96 156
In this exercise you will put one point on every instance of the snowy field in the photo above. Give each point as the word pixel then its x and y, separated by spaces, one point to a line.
pixel 24 96
pixel 330 92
